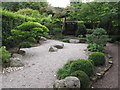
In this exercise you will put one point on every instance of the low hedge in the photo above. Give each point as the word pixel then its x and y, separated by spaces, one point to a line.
pixel 98 58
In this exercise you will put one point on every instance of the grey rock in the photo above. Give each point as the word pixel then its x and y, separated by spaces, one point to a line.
pixel 59 46
pixel 74 41
pixel 72 82
pixel 15 55
pixel 59 84
pixel 43 39
pixel 21 52
pixel 53 49
pixel 110 62
pixel 68 82
pixel 16 62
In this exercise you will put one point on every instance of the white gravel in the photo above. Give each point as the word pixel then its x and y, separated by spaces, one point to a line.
pixel 41 66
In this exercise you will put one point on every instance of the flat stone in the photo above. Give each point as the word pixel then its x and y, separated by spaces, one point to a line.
pixel 59 46
pixel 16 62
pixel 74 41
pixel 110 62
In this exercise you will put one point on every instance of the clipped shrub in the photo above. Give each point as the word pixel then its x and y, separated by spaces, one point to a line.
pixel 24 45
pixel 10 21
pixel 81 29
pixel 83 77
pixel 66 40
pixel 4 55
pixel 84 65
pixel 98 58
pixel 82 40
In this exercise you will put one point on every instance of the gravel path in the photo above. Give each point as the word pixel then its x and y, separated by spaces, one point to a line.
pixel 110 80
pixel 41 65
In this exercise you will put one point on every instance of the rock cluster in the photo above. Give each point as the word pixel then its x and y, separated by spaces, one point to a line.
pixel 55 48
pixel 68 82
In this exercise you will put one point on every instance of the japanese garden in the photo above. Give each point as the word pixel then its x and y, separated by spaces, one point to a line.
pixel 43 46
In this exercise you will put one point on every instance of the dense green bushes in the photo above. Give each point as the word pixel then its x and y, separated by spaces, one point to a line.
pixel 83 77
pixel 98 58
pixel 81 29
pixel 27 32
pixel 72 66
pixel 10 21
pixel 66 40
pixel 4 55
pixel 80 68
pixel 98 39
pixel 94 47
pixel 84 65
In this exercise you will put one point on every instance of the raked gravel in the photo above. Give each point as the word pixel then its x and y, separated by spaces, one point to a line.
pixel 41 65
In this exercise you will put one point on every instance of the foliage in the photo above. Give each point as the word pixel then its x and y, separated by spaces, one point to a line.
pixel 66 40
pixel 98 39
pixel 81 29
pixel 4 55
pixel 15 6
pixel 31 40
pixel 82 40
pixel 56 31
pixel 83 77
pixel 26 32
pixel 98 58
pixel 94 47
pixel 11 20
pixel 80 36
pixel 84 65
pixel 24 45
pixel 99 36
pixel 59 37
pixel 65 71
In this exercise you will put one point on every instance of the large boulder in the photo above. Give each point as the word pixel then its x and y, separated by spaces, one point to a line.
pixel 16 62
pixel 74 41
pixel 59 46
pixel 53 49
pixel 68 82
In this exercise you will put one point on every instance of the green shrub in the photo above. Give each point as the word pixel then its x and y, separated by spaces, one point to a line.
pixel 10 21
pixel 56 31
pixel 81 29
pixel 82 40
pixel 99 37
pixel 59 37
pixel 80 36
pixel 66 40
pixel 94 47
pixel 98 58
pixel 65 71
pixel 32 40
pixel 84 65
pixel 83 77
pixel 24 45
pixel 4 55
pixel 90 31
pixel 62 73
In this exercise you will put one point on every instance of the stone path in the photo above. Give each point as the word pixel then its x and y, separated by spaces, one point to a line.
pixel 110 80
